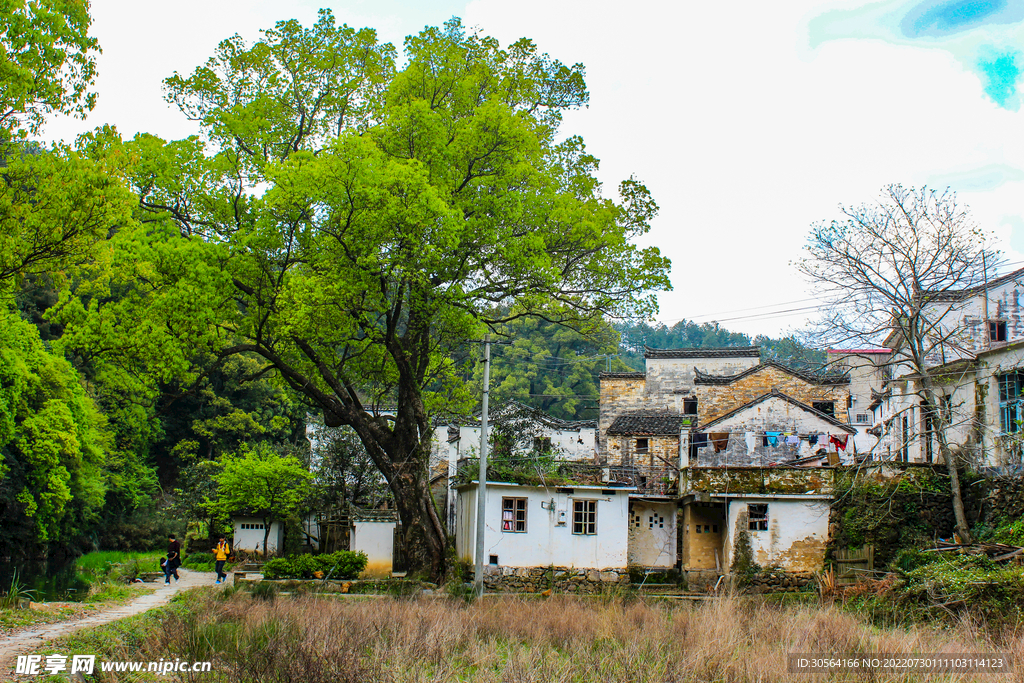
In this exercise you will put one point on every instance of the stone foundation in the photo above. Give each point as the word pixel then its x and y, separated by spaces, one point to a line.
pixel 781 582
pixel 559 579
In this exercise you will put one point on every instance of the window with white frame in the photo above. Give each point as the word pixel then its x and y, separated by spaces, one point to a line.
pixel 513 515
pixel 249 525
pixel 584 517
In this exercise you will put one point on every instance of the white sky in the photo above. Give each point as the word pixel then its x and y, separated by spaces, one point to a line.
pixel 748 121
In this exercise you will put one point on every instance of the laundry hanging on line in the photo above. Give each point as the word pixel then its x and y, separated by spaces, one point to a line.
pixel 720 440
pixel 839 441
pixel 699 439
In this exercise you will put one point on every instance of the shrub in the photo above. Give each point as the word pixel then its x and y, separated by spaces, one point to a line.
pixel 340 565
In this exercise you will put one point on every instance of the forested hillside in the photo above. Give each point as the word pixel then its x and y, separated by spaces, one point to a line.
pixel 556 369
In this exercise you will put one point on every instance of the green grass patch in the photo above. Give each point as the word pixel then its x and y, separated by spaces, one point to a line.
pixel 100 563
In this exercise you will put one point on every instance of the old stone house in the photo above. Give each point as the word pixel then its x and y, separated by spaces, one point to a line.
pixel 725 445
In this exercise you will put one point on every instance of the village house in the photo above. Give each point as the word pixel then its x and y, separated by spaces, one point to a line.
pixel 724 411
pixel 978 364
pixel 704 449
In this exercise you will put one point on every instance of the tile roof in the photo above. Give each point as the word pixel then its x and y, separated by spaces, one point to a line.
pixel 811 378
pixel 663 424
pixel 720 352
pixel 966 293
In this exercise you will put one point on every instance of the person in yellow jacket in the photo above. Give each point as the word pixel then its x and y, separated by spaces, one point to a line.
pixel 220 555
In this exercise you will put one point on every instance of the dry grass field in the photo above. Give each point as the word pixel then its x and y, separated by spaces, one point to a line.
pixel 310 639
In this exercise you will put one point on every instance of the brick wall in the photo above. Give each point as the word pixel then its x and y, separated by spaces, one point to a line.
pixel 662 451
pixel 713 401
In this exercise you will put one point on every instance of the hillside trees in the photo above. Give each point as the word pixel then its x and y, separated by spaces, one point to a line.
pixel 352 225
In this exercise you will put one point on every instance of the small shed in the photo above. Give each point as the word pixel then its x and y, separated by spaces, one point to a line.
pixel 373 532
pixel 250 531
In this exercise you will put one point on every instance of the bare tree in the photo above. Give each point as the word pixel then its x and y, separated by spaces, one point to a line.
pixel 895 273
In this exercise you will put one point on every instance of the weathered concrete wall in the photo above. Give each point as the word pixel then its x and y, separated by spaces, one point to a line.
pixel 796 536
pixel 669 379
pixel 703 529
pixel 714 400
pixel 652 534
pixel 377 540
pixel 971 337
pixel 548 539
pixel 721 480
pixel 773 414
pixel 558 579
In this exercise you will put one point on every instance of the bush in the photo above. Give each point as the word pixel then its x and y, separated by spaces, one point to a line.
pixel 340 565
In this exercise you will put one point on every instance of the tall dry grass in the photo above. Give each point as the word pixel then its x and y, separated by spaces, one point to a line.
pixel 319 640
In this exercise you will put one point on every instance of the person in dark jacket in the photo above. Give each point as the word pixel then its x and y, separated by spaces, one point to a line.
pixel 173 559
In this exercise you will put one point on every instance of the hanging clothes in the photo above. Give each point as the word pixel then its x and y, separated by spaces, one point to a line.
pixel 751 439
pixel 764 441
pixel 839 441
pixel 699 439
pixel 773 438
pixel 720 440
pixel 812 439
pixel 793 440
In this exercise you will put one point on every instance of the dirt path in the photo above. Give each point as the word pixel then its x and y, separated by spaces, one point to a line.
pixel 33 637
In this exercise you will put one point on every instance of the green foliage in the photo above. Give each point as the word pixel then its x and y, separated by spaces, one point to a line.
pixel 1008 531
pixel 344 471
pixel 351 224
pixel 49 61
pixel 551 367
pixel 54 442
pixel 686 334
pixel 55 206
pixel 744 567
pixel 100 563
pixel 16 593
pixel 263 481
pixel 343 564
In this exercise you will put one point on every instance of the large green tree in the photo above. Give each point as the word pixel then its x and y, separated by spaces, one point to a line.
pixel 354 225
pixel 263 483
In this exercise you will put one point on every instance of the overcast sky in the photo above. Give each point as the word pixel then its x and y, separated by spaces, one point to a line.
pixel 748 121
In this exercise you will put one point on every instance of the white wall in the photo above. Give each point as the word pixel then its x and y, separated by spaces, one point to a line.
pixel 796 536
pixel 376 539
pixel 546 542
pixel 569 444
pixel 652 534
pixel 252 539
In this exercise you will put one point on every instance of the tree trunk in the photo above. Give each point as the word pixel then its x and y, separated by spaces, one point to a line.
pixel 422 534
pixel 939 425
pixel 266 536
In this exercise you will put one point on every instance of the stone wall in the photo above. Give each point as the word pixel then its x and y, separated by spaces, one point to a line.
pixel 780 582
pixel 714 400
pixel 559 579
pixel 757 479
pixel 662 451
pixel 620 393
